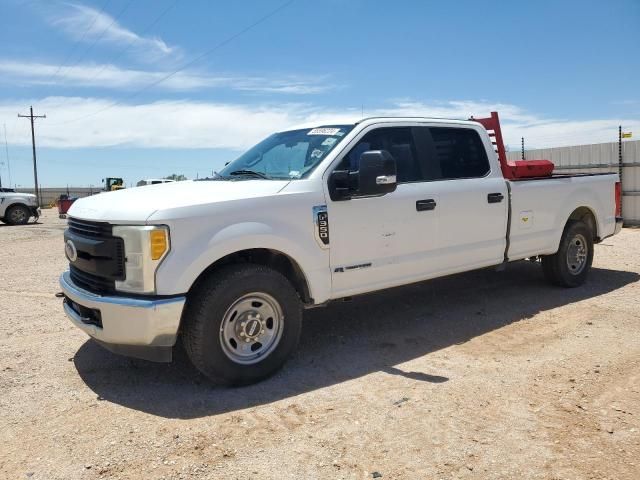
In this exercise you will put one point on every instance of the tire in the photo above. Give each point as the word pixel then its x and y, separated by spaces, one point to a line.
pixel 249 303
pixel 17 215
pixel 570 265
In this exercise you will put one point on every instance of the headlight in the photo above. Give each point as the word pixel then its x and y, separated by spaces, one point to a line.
pixel 144 247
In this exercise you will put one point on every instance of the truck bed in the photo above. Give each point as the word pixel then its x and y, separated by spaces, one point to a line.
pixel 540 207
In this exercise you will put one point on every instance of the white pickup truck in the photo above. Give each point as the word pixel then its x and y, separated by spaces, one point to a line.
pixel 17 208
pixel 311 215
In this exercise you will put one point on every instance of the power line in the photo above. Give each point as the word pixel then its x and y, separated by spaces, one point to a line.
pixel 77 44
pixel 125 49
pixel 12 127
pixel 186 65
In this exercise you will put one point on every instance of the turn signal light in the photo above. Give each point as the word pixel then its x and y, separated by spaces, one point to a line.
pixel 159 244
pixel 618 199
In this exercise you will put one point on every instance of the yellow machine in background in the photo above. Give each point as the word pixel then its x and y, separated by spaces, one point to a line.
pixel 112 183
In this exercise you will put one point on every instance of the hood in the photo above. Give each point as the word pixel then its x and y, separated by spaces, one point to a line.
pixel 17 194
pixel 29 196
pixel 139 203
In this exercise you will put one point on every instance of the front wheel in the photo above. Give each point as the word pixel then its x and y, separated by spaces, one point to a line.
pixel 570 265
pixel 241 324
pixel 17 215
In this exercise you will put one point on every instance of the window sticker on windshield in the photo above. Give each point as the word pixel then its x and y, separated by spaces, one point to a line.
pixel 324 131
pixel 327 142
pixel 316 153
pixel 294 174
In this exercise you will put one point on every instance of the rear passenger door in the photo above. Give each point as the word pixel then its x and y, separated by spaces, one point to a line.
pixel 473 199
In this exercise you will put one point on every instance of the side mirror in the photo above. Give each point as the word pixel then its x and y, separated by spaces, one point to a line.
pixel 375 176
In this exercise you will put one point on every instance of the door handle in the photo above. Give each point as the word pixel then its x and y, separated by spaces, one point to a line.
pixel 422 205
pixel 495 197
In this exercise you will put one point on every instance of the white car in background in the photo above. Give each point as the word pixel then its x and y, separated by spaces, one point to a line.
pixel 17 208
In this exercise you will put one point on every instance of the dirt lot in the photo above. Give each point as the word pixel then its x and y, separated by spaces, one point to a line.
pixel 482 375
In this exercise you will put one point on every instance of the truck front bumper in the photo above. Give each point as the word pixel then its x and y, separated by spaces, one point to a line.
pixel 136 327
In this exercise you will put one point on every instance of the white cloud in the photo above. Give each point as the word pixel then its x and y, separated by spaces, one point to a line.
pixel 191 124
pixel 112 77
pixel 163 124
pixel 77 19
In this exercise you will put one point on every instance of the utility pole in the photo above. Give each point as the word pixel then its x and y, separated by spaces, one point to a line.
pixel 522 148
pixel 33 144
pixel 6 150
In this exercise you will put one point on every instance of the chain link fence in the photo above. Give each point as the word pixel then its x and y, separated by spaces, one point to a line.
pixel 48 196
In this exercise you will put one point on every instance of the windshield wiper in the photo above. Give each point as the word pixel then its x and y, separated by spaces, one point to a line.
pixel 250 173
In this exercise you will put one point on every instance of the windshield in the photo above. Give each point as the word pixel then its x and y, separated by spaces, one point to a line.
pixel 287 155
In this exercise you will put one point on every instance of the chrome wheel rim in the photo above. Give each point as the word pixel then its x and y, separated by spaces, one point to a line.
pixel 577 254
pixel 18 215
pixel 251 328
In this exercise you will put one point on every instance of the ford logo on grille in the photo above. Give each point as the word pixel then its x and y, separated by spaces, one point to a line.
pixel 70 251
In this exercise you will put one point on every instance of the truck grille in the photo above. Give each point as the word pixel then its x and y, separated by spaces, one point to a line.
pixel 90 282
pixel 90 229
pixel 100 256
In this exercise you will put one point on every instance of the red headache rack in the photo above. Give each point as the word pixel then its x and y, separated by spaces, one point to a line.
pixel 516 168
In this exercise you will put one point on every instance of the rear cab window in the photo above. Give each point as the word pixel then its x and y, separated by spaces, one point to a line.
pixel 456 153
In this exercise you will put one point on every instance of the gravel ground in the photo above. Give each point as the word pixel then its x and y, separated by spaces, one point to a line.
pixel 482 375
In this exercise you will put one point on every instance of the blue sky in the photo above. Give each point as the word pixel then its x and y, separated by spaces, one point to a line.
pixel 559 73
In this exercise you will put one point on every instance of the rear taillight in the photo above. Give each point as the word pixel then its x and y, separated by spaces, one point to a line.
pixel 618 194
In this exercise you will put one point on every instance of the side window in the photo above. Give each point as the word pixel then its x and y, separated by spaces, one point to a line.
pixel 458 153
pixel 398 141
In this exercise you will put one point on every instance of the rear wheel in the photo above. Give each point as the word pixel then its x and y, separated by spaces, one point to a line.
pixel 17 215
pixel 241 324
pixel 570 265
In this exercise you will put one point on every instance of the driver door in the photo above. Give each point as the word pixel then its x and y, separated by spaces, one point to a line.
pixel 382 241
